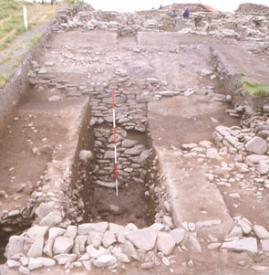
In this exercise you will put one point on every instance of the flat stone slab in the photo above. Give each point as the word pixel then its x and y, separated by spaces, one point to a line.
pixel 246 244
pixel 191 194
pixel 143 238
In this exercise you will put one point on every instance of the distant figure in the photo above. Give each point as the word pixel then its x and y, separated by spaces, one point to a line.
pixel 186 13
pixel 51 2
pixel 172 14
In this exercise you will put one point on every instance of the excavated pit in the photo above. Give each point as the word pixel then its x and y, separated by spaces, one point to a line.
pixel 135 203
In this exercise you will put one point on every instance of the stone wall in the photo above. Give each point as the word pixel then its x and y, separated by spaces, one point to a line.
pixel 252 8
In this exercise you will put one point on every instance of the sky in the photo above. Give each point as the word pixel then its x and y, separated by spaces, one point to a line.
pixel 132 5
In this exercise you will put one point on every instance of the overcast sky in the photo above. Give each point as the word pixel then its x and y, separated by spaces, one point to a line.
pixel 131 5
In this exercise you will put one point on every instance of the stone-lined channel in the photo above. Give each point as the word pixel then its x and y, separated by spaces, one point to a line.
pixel 137 175
pixel 135 203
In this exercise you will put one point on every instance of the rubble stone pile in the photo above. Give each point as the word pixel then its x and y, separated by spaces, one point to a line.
pixel 253 8
pixel 244 26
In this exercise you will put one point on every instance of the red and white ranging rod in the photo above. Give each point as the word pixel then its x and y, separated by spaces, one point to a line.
pixel 115 142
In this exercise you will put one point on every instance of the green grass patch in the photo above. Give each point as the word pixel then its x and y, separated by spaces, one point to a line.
pixel 7 41
pixel 255 89
pixel 3 79
pixel 20 29
pixel 74 2
pixel 34 41
pixel 6 59
pixel 9 8
pixel 19 60
pixel 11 18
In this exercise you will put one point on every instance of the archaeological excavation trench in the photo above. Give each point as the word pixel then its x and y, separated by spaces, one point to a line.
pixel 136 174
pixel 65 122
pixel 179 138
pixel 66 118
pixel 52 127
pixel 92 189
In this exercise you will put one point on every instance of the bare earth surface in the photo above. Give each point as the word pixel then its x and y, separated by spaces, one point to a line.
pixel 36 132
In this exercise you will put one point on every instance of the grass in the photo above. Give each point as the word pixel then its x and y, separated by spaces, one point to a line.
pixel 3 79
pixel 19 60
pixel 74 2
pixel 6 59
pixel 11 18
pixel 34 41
pixel 11 26
pixel 255 89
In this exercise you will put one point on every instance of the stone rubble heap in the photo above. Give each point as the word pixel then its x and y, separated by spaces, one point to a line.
pixel 248 237
pixel 93 244
pixel 239 162
pixel 250 142
pixel 239 26
pixel 252 8
pixel 244 236
pixel 110 245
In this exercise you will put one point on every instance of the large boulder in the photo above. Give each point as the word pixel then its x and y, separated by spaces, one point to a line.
pixel 165 243
pixel 256 145
pixel 105 260
pixel 35 263
pixel 36 248
pixel 84 229
pixel 108 238
pixel 15 246
pixel 53 218
pixel 261 232
pixel 62 245
pixel 143 238
pixel 37 232
pixel 177 234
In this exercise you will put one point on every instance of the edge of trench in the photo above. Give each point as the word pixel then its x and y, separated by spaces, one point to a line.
pixel 188 194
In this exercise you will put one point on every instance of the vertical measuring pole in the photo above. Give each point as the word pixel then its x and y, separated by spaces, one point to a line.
pixel 115 142
pixel 25 19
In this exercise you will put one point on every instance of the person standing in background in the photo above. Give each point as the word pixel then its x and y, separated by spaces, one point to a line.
pixel 186 13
